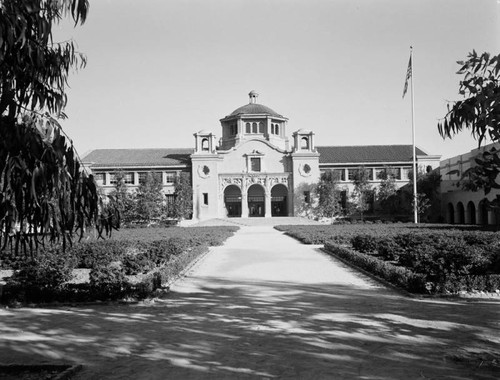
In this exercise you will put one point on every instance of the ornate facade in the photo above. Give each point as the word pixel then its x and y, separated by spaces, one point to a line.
pixel 253 170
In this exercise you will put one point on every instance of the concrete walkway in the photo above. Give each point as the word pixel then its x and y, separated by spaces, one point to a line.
pixel 264 306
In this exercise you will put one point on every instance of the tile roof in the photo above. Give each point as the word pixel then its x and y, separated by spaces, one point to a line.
pixel 366 153
pixel 138 157
pixel 254 108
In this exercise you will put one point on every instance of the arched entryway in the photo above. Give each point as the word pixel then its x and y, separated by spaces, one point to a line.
pixel 450 217
pixel 232 201
pixel 470 216
pixel 256 201
pixel 279 200
pixel 483 212
pixel 460 213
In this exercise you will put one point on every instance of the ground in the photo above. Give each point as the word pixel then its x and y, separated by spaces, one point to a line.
pixel 264 306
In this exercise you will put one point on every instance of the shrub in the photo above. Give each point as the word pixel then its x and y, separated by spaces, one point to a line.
pixel 108 282
pixel 51 268
pixel 364 243
pixel 402 277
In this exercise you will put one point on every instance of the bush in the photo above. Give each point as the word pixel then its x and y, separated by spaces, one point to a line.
pixel 364 243
pixel 108 282
pixel 402 277
pixel 51 268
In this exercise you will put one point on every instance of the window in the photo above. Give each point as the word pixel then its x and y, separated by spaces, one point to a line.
pixel 99 178
pixel 205 198
pixel 142 177
pixel 112 178
pixel 204 144
pixel 128 178
pixel 351 173
pixel 276 129
pixel 307 197
pixel 247 128
pixel 261 127
pixel 255 164
pixel 170 177
pixel 254 127
pixel 339 173
pixel 406 173
pixel 304 143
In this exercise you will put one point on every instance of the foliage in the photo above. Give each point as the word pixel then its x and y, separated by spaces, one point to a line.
pixel 479 112
pixel 50 269
pixel 305 200
pixel 149 201
pixel 386 193
pixel 44 191
pixel 401 277
pixel 328 194
pixel 108 282
pixel 183 192
pixel 121 199
pixel 362 191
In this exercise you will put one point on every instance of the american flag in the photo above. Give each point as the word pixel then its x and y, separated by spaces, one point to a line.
pixel 408 76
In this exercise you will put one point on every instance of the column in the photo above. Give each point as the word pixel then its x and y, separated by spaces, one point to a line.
pixel 244 203
pixel 267 197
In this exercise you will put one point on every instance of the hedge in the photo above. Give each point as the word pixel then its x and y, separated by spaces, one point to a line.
pixel 399 276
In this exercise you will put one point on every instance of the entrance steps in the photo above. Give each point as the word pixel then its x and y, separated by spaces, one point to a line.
pixel 249 222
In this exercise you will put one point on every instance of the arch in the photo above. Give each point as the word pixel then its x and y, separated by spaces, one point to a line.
pixel 483 212
pixel 247 128
pixel 279 194
pixel 256 201
pixel 304 143
pixel 460 213
pixel 261 127
pixel 232 201
pixel 450 214
pixel 254 127
pixel 470 215
pixel 204 145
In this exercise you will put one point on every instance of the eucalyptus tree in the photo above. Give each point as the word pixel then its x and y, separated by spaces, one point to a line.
pixel 478 112
pixel 43 190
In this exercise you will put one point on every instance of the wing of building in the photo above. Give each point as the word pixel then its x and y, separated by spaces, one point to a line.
pixel 253 170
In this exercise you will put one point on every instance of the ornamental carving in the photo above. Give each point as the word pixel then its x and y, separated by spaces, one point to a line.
pixel 247 180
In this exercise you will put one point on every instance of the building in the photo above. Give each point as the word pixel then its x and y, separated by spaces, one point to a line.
pixel 253 170
pixel 460 206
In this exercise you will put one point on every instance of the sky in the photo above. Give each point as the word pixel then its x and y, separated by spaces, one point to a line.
pixel 160 70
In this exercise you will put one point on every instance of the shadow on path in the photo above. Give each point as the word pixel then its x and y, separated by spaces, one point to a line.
pixel 223 329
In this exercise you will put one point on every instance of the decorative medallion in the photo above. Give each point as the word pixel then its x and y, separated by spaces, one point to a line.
pixel 305 170
pixel 203 171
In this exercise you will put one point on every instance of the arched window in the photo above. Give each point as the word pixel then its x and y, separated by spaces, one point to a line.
pixel 277 129
pixel 247 128
pixel 254 127
pixel 204 145
pixel 304 143
pixel 261 127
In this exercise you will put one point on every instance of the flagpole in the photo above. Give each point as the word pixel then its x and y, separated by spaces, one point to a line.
pixel 415 198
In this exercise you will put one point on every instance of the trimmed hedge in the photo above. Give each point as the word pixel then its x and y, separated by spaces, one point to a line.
pixel 399 276
pixel 157 261
pixel 451 260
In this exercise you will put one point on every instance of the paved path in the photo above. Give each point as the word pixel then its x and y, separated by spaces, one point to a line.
pixel 264 306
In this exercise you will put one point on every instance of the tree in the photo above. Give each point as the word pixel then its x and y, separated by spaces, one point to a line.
pixel 149 200
pixel 328 193
pixel 362 193
pixel 183 193
pixel 44 191
pixel 121 199
pixel 479 112
pixel 386 194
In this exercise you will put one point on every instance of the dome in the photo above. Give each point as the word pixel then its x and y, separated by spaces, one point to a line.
pixel 253 109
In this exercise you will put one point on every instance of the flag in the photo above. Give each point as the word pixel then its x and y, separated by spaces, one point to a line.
pixel 408 76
